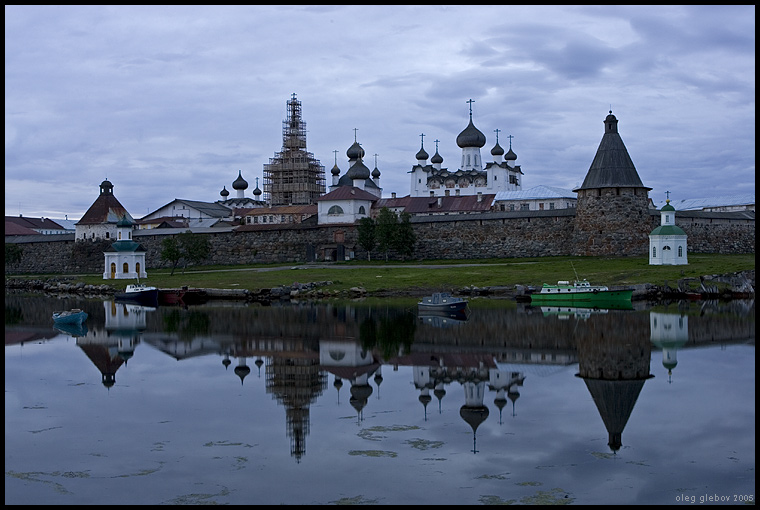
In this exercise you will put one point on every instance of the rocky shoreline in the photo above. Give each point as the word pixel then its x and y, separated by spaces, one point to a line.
pixel 740 285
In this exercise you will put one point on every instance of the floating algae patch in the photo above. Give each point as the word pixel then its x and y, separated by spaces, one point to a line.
pixel 493 477
pixel 530 484
pixel 496 500
pixel 142 472
pixel 372 453
pixel 553 497
pixel 36 476
pixel 227 443
pixel 44 430
pixel 372 432
pixel 356 500
pixel 424 444
pixel 198 499
pixel 603 455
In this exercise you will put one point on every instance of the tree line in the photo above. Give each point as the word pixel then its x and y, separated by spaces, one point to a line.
pixel 388 232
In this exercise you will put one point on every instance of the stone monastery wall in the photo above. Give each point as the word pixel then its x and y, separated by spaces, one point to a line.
pixel 470 236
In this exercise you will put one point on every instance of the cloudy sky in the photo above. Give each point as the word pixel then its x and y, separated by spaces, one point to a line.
pixel 171 102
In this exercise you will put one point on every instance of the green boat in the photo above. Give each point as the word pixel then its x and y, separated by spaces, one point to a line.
pixel 581 291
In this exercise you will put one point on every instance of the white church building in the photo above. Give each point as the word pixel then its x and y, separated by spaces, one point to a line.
pixel 667 243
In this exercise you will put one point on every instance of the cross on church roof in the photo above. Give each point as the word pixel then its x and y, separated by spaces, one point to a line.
pixel 497 134
pixel 375 160
pixel 510 141
pixel 667 195
pixel 336 156
pixel 436 145
pixel 470 101
pixel 293 96
pixel 355 130
pixel 422 139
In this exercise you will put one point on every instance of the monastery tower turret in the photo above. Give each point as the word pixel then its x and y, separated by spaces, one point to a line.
pixel 612 214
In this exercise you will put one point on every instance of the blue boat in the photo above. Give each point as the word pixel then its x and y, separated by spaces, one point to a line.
pixel 73 316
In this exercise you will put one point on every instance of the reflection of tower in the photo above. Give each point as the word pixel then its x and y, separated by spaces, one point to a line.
pixel 423 381
pixel 614 372
pixel 124 323
pixel 350 361
pixel 295 383
pixel 502 381
pixel 338 384
pixel 258 364
pixel 513 394
pixel 669 332
pixel 439 393
pixel 473 411
pixel 378 380
pixel 226 361
pixel 473 381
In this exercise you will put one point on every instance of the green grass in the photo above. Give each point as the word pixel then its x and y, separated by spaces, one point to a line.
pixel 398 276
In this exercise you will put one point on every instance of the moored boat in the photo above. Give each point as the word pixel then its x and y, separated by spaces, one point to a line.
pixel 580 291
pixel 73 316
pixel 442 302
pixel 140 294
pixel 182 296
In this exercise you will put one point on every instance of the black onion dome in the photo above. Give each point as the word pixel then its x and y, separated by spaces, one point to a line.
pixel 257 191
pixel 510 156
pixel 436 158
pixel 497 150
pixel 335 170
pixel 358 171
pixel 240 183
pixel 355 151
pixel 224 192
pixel 375 173
pixel 422 155
pixel 471 137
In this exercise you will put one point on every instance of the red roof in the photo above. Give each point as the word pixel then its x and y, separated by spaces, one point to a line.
pixel 348 193
pixel 13 229
pixel 455 204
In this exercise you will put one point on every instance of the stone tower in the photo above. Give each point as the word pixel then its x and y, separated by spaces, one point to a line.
pixel 612 215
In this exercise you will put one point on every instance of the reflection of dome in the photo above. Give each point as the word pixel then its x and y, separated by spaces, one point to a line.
pixel 337 355
pixel 242 371
pixel 474 416
pixel 425 399
pixel 226 362
pixel 359 396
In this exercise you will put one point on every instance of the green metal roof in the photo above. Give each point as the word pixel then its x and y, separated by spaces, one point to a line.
pixel 668 230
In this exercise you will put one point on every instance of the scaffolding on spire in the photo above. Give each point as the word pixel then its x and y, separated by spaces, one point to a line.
pixel 293 176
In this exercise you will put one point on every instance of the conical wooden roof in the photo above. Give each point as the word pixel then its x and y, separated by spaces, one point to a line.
pixel 612 166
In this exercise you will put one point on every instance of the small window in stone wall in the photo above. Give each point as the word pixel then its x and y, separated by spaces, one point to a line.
pixel 339 236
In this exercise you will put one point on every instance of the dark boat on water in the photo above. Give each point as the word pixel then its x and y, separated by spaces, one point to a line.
pixel 139 294
pixel 442 302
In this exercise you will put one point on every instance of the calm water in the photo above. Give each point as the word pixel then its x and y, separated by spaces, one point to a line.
pixel 366 403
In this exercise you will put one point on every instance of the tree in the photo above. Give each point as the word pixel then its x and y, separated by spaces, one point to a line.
pixel 195 247
pixel 171 251
pixel 405 237
pixel 366 235
pixel 385 230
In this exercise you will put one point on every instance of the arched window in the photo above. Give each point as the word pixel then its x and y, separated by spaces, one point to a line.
pixel 654 252
pixel 125 268
pixel 108 235
pixel 362 210
pixel 336 209
pixel 680 251
pixel 137 268
pixel 119 235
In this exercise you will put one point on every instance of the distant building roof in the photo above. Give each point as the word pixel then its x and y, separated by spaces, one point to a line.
pixel 34 223
pixel 348 193
pixel 698 204
pixel 14 229
pixel 534 193
pixel 449 204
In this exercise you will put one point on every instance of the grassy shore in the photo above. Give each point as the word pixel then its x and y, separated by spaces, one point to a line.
pixel 379 276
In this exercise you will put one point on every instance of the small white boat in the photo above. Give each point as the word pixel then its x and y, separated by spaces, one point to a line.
pixel 73 316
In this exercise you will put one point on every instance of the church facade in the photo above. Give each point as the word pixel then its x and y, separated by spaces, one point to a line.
pixel 473 175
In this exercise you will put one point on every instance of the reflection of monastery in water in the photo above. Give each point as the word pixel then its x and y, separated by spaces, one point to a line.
pixel 473 365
